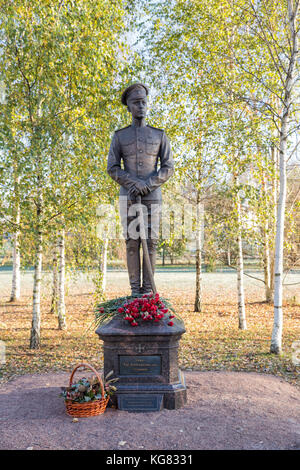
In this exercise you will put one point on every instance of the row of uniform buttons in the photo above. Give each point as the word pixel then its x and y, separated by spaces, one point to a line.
pixel 140 150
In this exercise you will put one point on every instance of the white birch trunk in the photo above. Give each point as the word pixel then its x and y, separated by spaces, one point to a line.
pixel 54 300
pixel 240 272
pixel 198 294
pixel 267 263
pixel 36 306
pixel 104 264
pixel 270 293
pixel 276 340
pixel 228 256
pixel 266 241
pixel 16 281
pixel 267 270
pixel 276 197
pixel 61 309
pixel 35 338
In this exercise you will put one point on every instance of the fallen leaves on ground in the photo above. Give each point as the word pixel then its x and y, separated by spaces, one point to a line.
pixel 212 340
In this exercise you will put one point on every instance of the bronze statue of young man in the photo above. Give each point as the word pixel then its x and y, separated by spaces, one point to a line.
pixel 140 147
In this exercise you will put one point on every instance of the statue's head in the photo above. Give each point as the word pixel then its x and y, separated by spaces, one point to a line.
pixel 135 98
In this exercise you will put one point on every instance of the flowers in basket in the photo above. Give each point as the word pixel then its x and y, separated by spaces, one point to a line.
pixel 89 389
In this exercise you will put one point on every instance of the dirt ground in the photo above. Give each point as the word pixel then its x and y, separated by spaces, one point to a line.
pixel 212 340
pixel 225 410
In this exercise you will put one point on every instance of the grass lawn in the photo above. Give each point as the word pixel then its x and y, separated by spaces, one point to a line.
pixel 212 341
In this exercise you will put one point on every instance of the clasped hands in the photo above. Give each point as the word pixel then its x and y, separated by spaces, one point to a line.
pixel 139 187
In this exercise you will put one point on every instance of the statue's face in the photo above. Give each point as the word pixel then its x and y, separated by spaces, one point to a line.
pixel 137 107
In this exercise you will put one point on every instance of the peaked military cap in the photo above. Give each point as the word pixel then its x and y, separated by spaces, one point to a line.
pixel 139 90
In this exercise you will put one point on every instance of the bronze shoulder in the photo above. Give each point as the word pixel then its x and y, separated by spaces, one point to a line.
pixel 122 129
pixel 155 128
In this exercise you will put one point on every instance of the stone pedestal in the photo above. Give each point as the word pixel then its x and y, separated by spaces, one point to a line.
pixel 145 358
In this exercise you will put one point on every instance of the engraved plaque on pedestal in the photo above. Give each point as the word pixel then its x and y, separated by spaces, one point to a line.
pixel 135 402
pixel 140 365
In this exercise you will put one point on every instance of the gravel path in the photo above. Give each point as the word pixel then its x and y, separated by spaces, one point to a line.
pixel 225 410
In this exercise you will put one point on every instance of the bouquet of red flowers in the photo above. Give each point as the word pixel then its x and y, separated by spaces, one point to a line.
pixel 136 310
pixel 147 308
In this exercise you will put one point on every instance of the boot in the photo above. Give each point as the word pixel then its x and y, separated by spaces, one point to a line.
pixel 134 265
pixel 147 287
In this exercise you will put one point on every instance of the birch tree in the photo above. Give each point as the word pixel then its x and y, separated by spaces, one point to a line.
pixel 54 295
pixel 16 281
pixel 10 163
pixel 273 28
pixel 261 38
pixel 288 88
pixel 61 309
pixel 240 268
pixel 59 63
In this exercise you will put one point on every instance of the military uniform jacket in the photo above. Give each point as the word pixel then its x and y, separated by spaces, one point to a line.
pixel 140 149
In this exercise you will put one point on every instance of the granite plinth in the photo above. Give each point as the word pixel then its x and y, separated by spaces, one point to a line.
pixel 145 359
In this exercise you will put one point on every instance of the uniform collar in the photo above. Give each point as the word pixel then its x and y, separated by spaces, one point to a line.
pixel 134 124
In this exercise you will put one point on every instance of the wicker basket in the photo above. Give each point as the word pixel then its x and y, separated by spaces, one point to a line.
pixel 90 408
